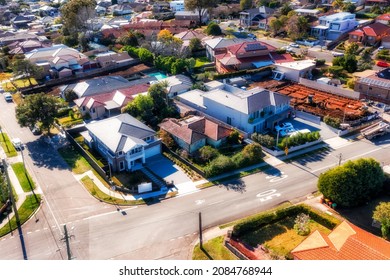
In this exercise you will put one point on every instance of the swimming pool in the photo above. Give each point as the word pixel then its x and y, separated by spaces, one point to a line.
pixel 158 75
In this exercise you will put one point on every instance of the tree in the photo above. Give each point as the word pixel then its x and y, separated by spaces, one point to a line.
pixel 297 27
pixel 167 139
pixel 128 39
pixel 36 108
pixel 195 44
pixel 252 152
pixel 352 49
pixel 201 6
pixel 275 25
pixel 302 226
pixel 207 153
pixel 141 107
pixel 25 68
pixel 338 4
pixel 285 9
pixel 264 140
pixel 169 44
pixel 70 95
pixel 349 7
pixel 213 29
pixel 350 63
pixel 245 4
pixel 234 137
pixel 75 14
pixel 145 55
pixel 353 183
pixel 382 215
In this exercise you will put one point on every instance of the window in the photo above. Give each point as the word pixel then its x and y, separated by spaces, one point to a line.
pixel 120 153
pixel 93 110
pixel 121 165
pixel 229 120
pixel 83 108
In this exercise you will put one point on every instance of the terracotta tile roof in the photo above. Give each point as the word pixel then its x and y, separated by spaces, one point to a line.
pixel 346 242
pixel 357 32
pixel 384 17
pixel 376 29
pixel 182 132
pixel 280 58
pixel 195 128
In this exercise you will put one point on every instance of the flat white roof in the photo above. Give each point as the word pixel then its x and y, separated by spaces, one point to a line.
pixel 297 65
pixel 307 11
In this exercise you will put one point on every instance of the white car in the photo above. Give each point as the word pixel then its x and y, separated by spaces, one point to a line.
pixel 8 97
pixel 17 143
pixel 335 54
pixel 284 126
pixel 294 45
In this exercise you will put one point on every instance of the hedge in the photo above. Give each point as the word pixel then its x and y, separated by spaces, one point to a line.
pixel 242 73
pixel 257 222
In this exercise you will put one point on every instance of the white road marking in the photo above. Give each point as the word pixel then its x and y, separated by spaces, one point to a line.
pixel 37 230
pixel 276 179
pixel 109 213
pixel 29 232
pixel 3 239
pixel 268 195
pixel 219 201
pixel 274 175
pixel 199 201
pixel 45 228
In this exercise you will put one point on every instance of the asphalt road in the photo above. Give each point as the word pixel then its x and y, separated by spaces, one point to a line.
pixel 164 230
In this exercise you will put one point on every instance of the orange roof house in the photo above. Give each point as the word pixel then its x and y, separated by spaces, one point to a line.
pixel 370 34
pixel 345 242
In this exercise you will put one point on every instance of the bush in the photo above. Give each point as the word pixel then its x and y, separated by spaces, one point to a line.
pixel 333 122
pixel 63 112
pixel 299 139
pixel 264 140
pixel 219 165
pixel 207 153
pixel 320 62
pixel 213 29
pixel 353 183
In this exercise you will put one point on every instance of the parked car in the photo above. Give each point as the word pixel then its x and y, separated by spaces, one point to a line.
pixel 17 144
pixel 287 131
pixel 35 130
pixel 287 48
pixel 294 45
pixel 335 54
pixel 382 64
pixel 302 131
pixel 8 97
pixel 284 126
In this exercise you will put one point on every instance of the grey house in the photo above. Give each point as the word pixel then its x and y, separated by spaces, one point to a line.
pixel 125 142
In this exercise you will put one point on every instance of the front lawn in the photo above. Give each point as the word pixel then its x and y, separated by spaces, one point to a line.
pixel 29 206
pixel 91 152
pixel 8 148
pixel 130 179
pixel 74 159
pixel 213 249
pixel 22 83
pixel 24 178
pixel 200 61
pixel 280 237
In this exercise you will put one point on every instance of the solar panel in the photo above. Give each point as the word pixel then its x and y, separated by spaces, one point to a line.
pixel 255 47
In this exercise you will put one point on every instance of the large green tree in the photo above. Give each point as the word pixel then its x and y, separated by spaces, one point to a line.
pixel 382 215
pixel 200 6
pixel 36 108
pixel 25 68
pixel 353 183
pixel 245 4
pixel 75 14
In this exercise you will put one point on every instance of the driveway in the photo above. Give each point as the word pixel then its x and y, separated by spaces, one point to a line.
pixel 170 172
pixel 325 131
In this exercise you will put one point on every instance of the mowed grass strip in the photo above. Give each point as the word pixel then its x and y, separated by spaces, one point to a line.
pixel 29 206
pixel 8 148
pixel 214 249
pixel 74 159
pixel 24 178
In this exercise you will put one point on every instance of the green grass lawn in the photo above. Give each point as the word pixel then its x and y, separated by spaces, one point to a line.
pixel 25 211
pixel 280 237
pixel 96 192
pixel 24 178
pixel 8 148
pixel 200 61
pixel 213 250
pixel 74 159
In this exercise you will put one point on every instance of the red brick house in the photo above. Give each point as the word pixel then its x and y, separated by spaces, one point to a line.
pixel 369 35
pixel 345 242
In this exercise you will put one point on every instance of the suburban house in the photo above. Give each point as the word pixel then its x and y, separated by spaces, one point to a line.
pixel 109 104
pixel 380 3
pixel 370 35
pixel 121 9
pixel 21 22
pixel 331 27
pixel 386 42
pixel 255 16
pixel 254 110
pixel 294 70
pixel 58 60
pixel 247 55
pixel 375 86
pixel 177 5
pixel 186 36
pixel 194 132
pixel 97 86
pixel 345 242
pixel 192 15
pixel 384 19
pixel 7 37
pixel 125 142
pixel 218 46
pixel 176 84
pixel 26 46
pixel 110 59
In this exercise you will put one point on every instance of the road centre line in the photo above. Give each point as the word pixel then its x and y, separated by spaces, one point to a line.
pixel 108 213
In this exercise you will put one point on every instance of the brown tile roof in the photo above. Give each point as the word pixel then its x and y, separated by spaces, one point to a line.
pixel 182 132
pixel 376 29
pixel 346 242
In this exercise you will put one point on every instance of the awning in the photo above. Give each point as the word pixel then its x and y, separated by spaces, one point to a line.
pixel 262 63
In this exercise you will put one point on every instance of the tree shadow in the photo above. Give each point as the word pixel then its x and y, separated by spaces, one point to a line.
pixel 235 185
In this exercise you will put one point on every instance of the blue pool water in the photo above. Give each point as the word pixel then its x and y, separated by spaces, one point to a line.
pixel 158 75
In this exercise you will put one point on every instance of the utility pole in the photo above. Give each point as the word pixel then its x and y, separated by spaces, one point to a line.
pixel 66 238
pixel 15 209
pixel 200 231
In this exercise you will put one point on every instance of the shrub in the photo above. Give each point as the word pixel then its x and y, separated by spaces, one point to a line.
pixel 320 62
pixel 299 139
pixel 333 122
pixel 301 225
pixel 213 29
pixel 353 183
pixel 264 140
pixel 219 165
pixel 207 153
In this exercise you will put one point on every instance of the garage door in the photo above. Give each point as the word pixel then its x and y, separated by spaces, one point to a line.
pixel 152 151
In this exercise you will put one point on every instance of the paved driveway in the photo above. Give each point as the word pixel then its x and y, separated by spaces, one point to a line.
pixel 169 171
pixel 325 131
